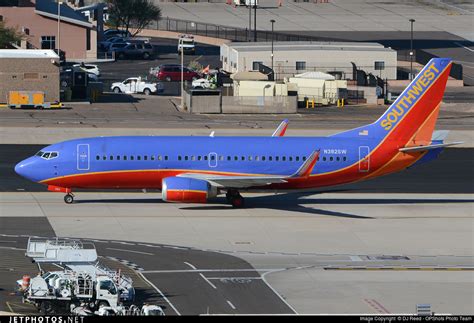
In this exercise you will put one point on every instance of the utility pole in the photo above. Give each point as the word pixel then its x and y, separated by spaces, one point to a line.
pixel 59 29
pixel 250 21
pixel 411 49
pixel 182 77
pixel 255 20
pixel 272 21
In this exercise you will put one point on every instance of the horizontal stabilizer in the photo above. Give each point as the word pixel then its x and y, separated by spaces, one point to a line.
pixel 428 147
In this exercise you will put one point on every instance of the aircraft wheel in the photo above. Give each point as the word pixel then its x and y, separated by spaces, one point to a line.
pixel 237 201
pixel 69 199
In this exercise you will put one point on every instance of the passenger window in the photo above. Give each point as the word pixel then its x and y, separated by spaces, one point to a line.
pixel 344 158
pixel 139 157
pixel 324 158
pixel 179 157
pixel 159 157
pixel 213 157
pixel 193 158
pixel 283 158
pixel 270 158
pixel 124 157
pixel 331 158
pixel 277 158
pixel 152 157
pixel 290 158
pixel 304 158
pixel 145 157
pixel 186 157
pixel 104 157
pixel 297 158
pixel 111 157
pixel 243 158
pixel 205 157
pixel 263 158
pixel 338 158
pixel 257 158
pixel 118 157
pixel 199 157
pixel 166 157
pixel 97 157
pixel 132 158
pixel 250 158
pixel 221 158
pixel 228 158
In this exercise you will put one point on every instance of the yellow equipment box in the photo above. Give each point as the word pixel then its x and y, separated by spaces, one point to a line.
pixel 29 99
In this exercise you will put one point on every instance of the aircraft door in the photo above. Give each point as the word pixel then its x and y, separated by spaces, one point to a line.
pixel 364 159
pixel 212 160
pixel 83 161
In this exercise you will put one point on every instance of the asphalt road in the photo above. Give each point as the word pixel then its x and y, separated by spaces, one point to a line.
pixel 450 173
pixel 184 281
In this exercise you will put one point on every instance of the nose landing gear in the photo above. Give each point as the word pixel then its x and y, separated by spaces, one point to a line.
pixel 234 198
pixel 69 198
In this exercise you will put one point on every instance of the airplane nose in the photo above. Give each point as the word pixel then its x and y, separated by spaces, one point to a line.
pixel 24 168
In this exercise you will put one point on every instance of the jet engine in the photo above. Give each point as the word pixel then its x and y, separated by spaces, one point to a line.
pixel 188 190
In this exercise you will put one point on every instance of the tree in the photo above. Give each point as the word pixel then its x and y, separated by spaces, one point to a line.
pixel 9 35
pixel 135 14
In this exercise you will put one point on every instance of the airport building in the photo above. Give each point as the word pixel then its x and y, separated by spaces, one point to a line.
pixel 38 20
pixel 291 58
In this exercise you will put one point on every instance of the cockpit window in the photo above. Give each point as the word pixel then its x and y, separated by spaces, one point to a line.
pixel 47 154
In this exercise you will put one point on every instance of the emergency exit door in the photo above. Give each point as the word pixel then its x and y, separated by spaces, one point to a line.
pixel 364 159
pixel 83 161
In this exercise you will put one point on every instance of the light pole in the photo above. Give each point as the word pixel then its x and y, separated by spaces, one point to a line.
pixel 254 20
pixel 182 77
pixel 59 30
pixel 250 21
pixel 411 49
pixel 272 21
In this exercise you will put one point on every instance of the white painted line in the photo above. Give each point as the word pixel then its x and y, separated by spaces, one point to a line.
pixel 276 293
pixel 159 291
pixel 126 250
pixel 231 305
pixel 122 242
pixel 207 280
pixel 207 270
pixel 229 278
pixel 355 258
pixel 461 45
pixel 145 245
pixel 190 265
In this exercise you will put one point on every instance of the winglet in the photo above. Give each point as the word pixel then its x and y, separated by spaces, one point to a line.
pixel 307 167
pixel 280 131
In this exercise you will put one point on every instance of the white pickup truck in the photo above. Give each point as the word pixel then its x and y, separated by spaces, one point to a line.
pixel 136 85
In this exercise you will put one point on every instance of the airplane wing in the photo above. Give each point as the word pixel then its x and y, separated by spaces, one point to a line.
pixel 249 181
pixel 281 129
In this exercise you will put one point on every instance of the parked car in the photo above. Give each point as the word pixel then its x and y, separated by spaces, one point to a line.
pixel 116 32
pixel 172 72
pixel 105 44
pixel 132 49
pixel 136 85
pixel 89 68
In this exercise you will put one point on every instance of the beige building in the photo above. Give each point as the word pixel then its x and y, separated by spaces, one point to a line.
pixel 290 58
pixel 29 70
pixel 38 20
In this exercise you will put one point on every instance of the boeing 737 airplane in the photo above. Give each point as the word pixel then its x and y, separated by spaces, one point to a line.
pixel 194 169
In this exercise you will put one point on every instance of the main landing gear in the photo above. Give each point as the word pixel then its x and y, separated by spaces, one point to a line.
pixel 69 198
pixel 234 198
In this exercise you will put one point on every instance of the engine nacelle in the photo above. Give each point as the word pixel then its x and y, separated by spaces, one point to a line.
pixel 188 190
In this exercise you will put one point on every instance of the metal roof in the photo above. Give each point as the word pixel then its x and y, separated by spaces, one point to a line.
pixel 49 8
pixel 28 53
pixel 308 45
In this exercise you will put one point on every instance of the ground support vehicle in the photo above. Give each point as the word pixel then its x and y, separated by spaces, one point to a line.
pixel 30 99
pixel 82 287
pixel 136 85
pixel 186 45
